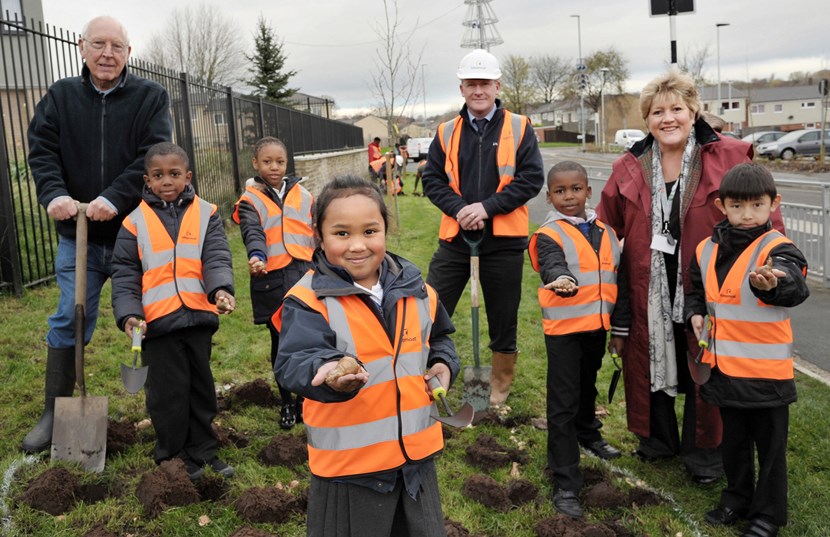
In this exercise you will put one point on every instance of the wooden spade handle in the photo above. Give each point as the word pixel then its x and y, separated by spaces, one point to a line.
pixel 80 295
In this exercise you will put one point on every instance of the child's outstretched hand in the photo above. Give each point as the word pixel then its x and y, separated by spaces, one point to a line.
pixel 256 266
pixel 766 277
pixel 131 325
pixel 344 375
pixel 225 302
pixel 563 286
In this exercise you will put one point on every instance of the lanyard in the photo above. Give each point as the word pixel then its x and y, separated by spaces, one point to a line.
pixel 667 203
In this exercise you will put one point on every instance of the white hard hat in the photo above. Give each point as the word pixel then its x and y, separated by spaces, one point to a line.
pixel 399 160
pixel 479 64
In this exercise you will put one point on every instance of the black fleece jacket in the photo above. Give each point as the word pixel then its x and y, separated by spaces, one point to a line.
pixel 85 144
pixel 479 178
pixel 732 392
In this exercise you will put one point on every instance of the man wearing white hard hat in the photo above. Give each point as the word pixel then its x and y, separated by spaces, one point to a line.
pixel 483 167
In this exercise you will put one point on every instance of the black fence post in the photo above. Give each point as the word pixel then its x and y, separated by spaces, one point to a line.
pixel 261 118
pixel 234 141
pixel 10 269
pixel 188 129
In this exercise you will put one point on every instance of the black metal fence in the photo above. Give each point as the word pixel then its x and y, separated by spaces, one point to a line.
pixel 215 125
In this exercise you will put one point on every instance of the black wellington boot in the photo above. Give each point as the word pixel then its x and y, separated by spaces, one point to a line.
pixel 60 382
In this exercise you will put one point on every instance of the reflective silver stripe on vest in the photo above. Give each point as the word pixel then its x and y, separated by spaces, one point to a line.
pixel 300 215
pixel 268 222
pixel 747 310
pixel 449 126
pixel 367 434
pixel 516 123
pixel 169 290
pixel 426 323
pixel 561 313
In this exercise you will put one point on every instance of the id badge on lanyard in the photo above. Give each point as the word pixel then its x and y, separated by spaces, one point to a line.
pixel 663 241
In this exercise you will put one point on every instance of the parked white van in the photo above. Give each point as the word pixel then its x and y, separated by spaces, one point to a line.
pixel 628 137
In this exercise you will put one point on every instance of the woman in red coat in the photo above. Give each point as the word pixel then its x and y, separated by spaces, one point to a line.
pixel 660 201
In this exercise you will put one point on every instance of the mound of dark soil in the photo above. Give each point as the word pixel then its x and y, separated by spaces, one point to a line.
pixel 487 491
pixel 642 497
pixel 257 392
pixel 284 450
pixel 166 486
pixel 121 435
pixel 486 453
pixel 266 504
pixel 247 531
pixel 53 491
pixel 521 491
pixel 455 529
pixel 563 526
pixel 604 496
pixel 100 531
pixel 93 492
pixel 212 488
pixel 228 436
pixel 591 476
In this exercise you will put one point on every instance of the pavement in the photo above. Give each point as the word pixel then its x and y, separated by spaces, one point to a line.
pixel 810 320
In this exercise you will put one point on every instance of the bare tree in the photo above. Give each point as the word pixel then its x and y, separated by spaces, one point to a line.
pixel 615 76
pixel 201 41
pixel 549 73
pixel 395 77
pixel 693 63
pixel 517 88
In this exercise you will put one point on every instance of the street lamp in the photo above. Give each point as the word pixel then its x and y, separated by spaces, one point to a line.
pixel 718 26
pixel 602 71
pixel 580 67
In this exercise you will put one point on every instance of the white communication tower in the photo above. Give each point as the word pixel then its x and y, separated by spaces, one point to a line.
pixel 481 29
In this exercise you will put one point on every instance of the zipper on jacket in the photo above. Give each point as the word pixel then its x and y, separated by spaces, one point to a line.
pixel 480 160
pixel 103 135
pixel 175 236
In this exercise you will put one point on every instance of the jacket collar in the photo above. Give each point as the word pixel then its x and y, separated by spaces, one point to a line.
pixel 733 239
pixel 87 80
pixel 704 135
pixel 185 198
pixel 465 115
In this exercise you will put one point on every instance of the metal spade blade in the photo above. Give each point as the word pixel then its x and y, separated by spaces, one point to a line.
pixel 462 418
pixel 132 377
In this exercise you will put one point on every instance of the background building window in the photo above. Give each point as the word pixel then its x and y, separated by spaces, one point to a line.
pixel 778 108
pixel 808 104
pixel 757 108
pixel 10 10
pixel 219 118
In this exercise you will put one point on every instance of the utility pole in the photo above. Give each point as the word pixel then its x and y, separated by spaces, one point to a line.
pixel 602 71
pixel 581 68
pixel 481 29
pixel 718 27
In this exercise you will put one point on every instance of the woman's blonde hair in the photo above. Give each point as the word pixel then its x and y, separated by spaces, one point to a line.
pixel 673 83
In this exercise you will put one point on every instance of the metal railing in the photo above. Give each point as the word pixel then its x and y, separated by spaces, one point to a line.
pixel 215 125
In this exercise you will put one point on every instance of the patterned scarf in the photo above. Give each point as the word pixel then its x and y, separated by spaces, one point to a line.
pixel 661 312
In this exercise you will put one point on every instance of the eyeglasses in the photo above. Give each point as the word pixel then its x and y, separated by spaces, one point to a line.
pixel 117 48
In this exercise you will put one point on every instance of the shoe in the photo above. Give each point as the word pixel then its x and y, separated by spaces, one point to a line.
pixel 603 449
pixel 760 528
pixel 221 467
pixel 298 407
pixel 567 503
pixel 287 416
pixel 59 382
pixel 194 471
pixel 722 516
pixel 645 457
pixel 705 479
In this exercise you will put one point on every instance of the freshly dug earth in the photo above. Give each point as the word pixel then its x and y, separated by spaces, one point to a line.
pixel 99 531
pixel 257 392
pixel 487 491
pixel 53 491
pixel 229 437
pixel 212 488
pixel 121 435
pixel 167 486
pixel 564 526
pixel 521 491
pixel 284 450
pixel 455 529
pixel 642 497
pixel 487 454
pixel 604 496
pixel 247 531
pixel 267 504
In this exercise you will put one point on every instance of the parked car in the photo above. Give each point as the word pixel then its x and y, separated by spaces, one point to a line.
pixel 418 148
pixel 763 137
pixel 730 134
pixel 628 137
pixel 800 142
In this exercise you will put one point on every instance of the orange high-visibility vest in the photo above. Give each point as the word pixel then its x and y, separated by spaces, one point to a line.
pixel 596 273
pixel 376 164
pixel 288 232
pixel 172 271
pixel 512 224
pixel 388 422
pixel 748 338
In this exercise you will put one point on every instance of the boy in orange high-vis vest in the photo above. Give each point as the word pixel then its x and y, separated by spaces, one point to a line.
pixel 172 274
pixel 743 280
pixel 577 257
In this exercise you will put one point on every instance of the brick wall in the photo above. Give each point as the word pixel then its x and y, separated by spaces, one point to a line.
pixel 320 168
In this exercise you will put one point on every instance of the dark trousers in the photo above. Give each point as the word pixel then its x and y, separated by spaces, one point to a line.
pixel 342 509
pixel 180 394
pixel 664 439
pixel 285 395
pixel 744 432
pixel 501 285
pixel 573 362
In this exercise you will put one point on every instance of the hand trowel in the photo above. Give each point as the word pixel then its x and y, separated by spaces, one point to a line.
pixel 462 418
pixel 133 377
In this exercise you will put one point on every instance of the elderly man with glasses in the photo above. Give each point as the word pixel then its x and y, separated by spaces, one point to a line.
pixel 87 142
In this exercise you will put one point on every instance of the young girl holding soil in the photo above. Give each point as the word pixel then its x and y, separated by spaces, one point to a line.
pixel 358 333
pixel 275 216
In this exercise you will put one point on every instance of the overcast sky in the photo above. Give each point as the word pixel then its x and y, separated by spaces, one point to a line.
pixel 332 45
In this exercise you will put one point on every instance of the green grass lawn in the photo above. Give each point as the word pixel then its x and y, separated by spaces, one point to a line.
pixel 240 355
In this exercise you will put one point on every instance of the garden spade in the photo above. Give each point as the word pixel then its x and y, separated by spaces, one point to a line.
pixel 133 377
pixel 79 433
pixel 462 418
pixel 615 376
pixel 476 379
pixel 701 371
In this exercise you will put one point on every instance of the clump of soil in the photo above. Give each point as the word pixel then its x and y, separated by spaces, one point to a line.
pixel 165 487
pixel 257 392
pixel 642 497
pixel 284 450
pixel 455 529
pixel 247 531
pixel 230 437
pixel 266 504
pixel 591 476
pixel 487 491
pixel 121 435
pixel 93 492
pixel 604 496
pixel 53 491
pixel 521 491
pixel 486 453
pixel 564 526
pixel 212 488
pixel 99 531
